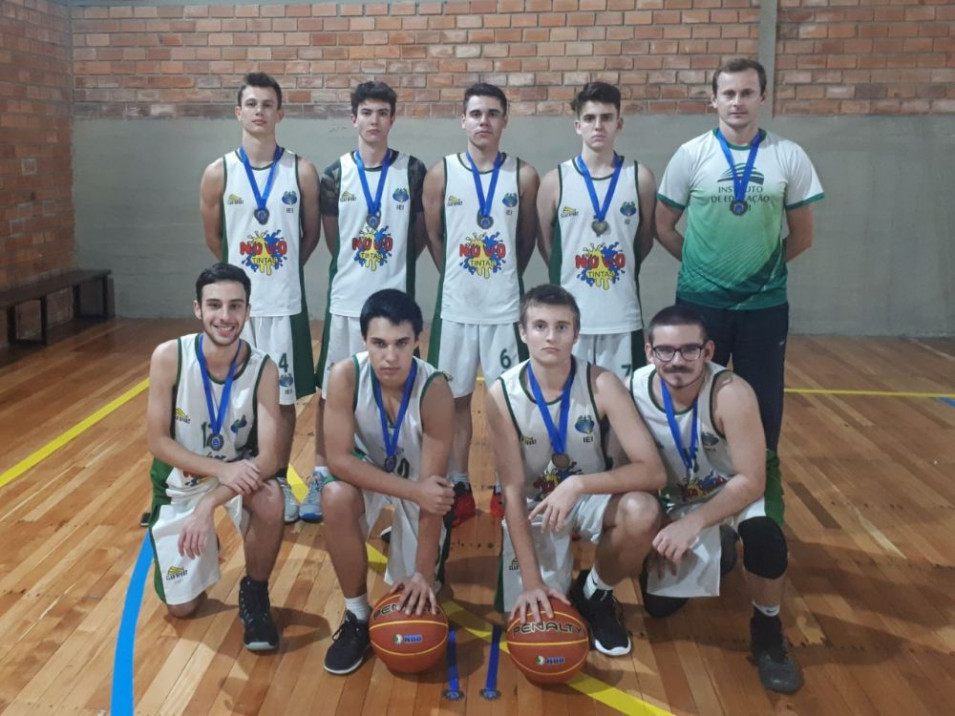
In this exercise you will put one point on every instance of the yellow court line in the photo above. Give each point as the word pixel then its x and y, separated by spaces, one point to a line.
pixel 873 393
pixel 65 437
pixel 588 685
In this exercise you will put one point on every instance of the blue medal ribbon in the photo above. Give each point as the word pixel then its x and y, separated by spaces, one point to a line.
pixel 261 198
pixel 216 418
pixel 391 438
pixel 687 456
pixel 600 211
pixel 740 183
pixel 557 434
pixel 485 203
pixel 374 206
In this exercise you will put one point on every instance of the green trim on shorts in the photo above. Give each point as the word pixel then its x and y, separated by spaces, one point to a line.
pixel 638 356
pixel 323 352
pixel 556 244
pixel 499 590
pixel 160 498
pixel 773 494
pixel 302 353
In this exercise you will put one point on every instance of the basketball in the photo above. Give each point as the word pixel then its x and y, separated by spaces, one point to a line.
pixel 406 643
pixel 552 650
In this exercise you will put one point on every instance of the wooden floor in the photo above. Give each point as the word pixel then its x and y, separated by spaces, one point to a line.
pixel 870 608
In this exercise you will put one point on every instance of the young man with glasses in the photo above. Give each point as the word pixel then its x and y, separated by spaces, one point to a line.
pixel 705 422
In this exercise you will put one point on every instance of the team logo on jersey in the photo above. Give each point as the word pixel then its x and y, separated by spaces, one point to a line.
pixel 372 248
pixel 567 212
pixel 174 573
pixel 528 440
pixel 454 201
pixel 182 416
pixel 234 199
pixel 700 487
pixel 600 265
pixel 346 196
pixel 401 195
pixel 286 380
pixel 757 177
pixel 264 252
pixel 514 566
pixel 509 200
pixel 709 441
pixel 290 198
pixel 238 425
pixel 628 208
pixel 483 255
pixel 585 424
pixel 552 477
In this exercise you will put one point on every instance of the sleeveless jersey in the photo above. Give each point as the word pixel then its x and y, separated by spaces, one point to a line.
pixel 600 271
pixel 269 253
pixel 584 444
pixel 368 436
pixel 190 420
pixel 367 257
pixel 712 467
pixel 480 282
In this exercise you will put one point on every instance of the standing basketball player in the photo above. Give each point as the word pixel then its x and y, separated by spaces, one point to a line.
pixel 371 213
pixel 706 422
pixel 480 212
pixel 596 227
pixel 547 418
pixel 212 425
pixel 388 435
pixel 735 183
pixel 260 212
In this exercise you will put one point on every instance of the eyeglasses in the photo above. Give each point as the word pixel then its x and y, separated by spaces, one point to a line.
pixel 689 352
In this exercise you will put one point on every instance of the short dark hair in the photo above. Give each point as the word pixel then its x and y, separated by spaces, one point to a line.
pixel 218 273
pixel 373 90
pixel 484 89
pixel 741 64
pixel 549 294
pixel 259 79
pixel 677 315
pixel 602 92
pixel 393 305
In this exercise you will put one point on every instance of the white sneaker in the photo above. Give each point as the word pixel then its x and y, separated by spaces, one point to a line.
pixel 291 504
pixel 311 509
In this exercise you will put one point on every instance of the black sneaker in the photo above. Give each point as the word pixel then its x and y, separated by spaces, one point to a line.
pixel 261 634
pixel 777 670
pixel 728 554
pixel 602 614
pixel 349 646
pixel 655 605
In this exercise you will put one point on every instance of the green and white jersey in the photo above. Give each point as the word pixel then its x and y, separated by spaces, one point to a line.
pixel 600 271
pixel 190 421
pixel 368 436
pixel 584 442
pixel 480 283
pixel 270 252
pixel 369 259
pixel 736 262
pixel 713 466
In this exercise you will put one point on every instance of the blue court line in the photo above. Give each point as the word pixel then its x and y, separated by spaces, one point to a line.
pixel 948 401
pixel 121 703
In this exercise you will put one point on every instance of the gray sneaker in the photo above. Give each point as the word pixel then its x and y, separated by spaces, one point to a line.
pixel 311 509
pixel 291 504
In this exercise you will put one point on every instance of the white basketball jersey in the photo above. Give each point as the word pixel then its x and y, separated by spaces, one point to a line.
pixel 583 442
pixel 599 270
pixel 269 252
pixel 370 259
pixel 712 467
pixel 191 421
pixel 368 435
pixel 480 282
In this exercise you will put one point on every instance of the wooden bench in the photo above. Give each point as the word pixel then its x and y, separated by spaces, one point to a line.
pixel 12 297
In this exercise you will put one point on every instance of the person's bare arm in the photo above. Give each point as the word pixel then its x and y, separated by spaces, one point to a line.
pixel 268 421
pixel 210 198
pixel 311 208
pixel 528 183
pixel 666 219
pixel 547 199
pixel 800 236
pixel 432 199
pixel 647 193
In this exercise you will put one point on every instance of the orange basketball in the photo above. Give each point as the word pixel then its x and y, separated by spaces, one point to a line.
pixel 407 643
pixel 552 650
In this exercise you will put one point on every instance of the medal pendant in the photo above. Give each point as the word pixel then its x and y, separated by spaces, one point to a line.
pixel 485 221
pixel 739 207
pixel 391 462
pixel 561 460
pixel 261 215
pixel 216 442
pixel 373 220
pixel 599 227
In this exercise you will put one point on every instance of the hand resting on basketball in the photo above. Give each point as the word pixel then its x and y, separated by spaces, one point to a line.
pixel 535 600
pixel 418 594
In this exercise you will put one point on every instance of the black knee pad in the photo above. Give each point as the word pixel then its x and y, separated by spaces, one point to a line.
pixel 764 547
